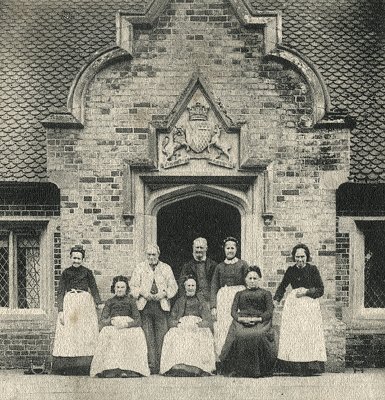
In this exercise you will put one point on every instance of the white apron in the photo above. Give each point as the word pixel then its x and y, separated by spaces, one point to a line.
pixel 188 344
pixel 78 336
pixel 225 298
pixel 124 348
pixel 301 336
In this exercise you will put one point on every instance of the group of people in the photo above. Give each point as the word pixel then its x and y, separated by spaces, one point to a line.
pixel 215 319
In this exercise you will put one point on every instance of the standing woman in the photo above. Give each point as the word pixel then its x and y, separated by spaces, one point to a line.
pixel 301 343
pixel 77 325
pixel 228 279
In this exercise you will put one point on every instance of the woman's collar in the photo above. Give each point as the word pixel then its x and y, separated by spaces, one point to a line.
pixel 232 261
pixel 121 297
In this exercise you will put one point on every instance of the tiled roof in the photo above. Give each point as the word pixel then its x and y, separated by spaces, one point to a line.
pixel 46 42
pixel 345 39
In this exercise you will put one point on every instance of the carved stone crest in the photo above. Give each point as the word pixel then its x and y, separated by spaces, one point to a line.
pixel 216 145
pixel 173 144
pixel 198 129
pixel 207 143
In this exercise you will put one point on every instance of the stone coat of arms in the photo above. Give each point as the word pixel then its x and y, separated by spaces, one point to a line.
pixel 199 138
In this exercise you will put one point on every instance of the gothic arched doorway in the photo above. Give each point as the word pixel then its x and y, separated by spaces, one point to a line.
pixel 180 222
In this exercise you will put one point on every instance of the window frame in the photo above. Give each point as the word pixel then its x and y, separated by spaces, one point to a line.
pixel 47 294
pixel 356 315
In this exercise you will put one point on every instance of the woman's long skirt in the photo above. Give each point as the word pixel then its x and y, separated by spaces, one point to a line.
pixel 225 298
pixel 188 346
pixel 249 351
pixel 75 341
pixel 122 349
pixel 301 338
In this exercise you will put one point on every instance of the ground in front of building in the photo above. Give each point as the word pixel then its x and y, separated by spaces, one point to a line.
pixel 368 385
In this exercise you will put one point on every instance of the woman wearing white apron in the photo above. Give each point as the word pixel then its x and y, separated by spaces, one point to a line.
pixel 121 351
pixel 228 279
pixel 301 341
pixel 188 347
pixel 77 324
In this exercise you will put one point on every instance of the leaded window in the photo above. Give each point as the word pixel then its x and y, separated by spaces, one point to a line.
pixel 374 269
pixel 20 267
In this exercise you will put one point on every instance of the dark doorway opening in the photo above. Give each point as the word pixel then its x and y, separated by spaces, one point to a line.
pixel 179 223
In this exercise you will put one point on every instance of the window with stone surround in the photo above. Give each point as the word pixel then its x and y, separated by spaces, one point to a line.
pixel 367 268
pixel 21 265
pixel 374 265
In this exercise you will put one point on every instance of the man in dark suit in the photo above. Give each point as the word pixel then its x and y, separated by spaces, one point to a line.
pixel 201 267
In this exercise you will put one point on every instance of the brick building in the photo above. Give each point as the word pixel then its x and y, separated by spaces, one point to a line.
pixel 127 122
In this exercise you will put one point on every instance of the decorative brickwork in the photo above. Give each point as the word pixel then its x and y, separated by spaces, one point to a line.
pixel 17 349
pixel 270 100
pixel 342 271
pixel 294 152
pixel 57 257
pixel 343 40
pixel 274 100
pixel 368 349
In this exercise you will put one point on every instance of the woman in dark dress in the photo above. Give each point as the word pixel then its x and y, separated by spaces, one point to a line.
pixel 121 350
pixel 249 350
pixel 228 279
pixel 77 325
pixel 188 347
pixel 301 344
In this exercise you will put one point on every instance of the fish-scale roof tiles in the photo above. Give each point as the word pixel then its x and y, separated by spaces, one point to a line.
pixel 345 39
pixel 45 43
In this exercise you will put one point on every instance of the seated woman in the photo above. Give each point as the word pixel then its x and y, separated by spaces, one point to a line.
pixel 188 347
pixel 121 349
pixel 249 349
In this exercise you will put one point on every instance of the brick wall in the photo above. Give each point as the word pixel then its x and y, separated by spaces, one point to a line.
pixel 364 340
pixel 342 271
pixel 304 201
pixel 304 211
pixel 368 349
pixel 269 97
pixel 271 100
pixel 57 259
pixel 25 338
pixel 18 349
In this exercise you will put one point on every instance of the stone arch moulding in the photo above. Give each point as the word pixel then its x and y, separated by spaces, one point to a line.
pixel 173 195
pixel 308 70
pixel 98 61
pixel 153 192
pixel 72 116
pixel 270 21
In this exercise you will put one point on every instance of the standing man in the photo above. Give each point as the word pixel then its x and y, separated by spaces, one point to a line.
pixel 153 285
pixel 201 267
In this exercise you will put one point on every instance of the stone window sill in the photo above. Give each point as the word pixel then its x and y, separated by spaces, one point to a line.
pixel 7 314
